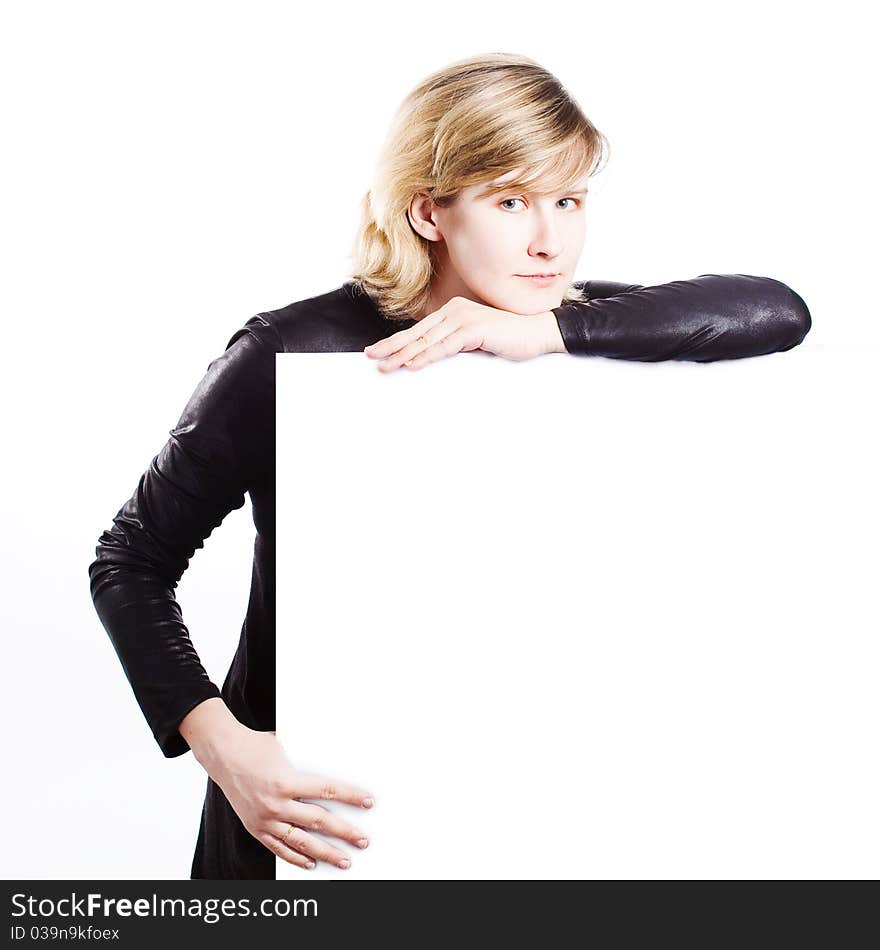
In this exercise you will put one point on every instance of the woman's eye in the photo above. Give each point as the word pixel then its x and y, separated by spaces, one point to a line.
pixel 507 201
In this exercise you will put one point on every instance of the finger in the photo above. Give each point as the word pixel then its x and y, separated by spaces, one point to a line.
pixel 449 346
pixel 389 345
pixel 396 341
pixel 317 786
pixel 298 839
pixel 320 819
pixel 411 350
pixel 424 343
pixel 278 847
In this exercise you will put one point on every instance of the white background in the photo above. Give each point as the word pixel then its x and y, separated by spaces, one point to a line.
pixel 171 169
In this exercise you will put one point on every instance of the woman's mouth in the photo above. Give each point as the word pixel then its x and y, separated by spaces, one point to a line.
pixel 539 280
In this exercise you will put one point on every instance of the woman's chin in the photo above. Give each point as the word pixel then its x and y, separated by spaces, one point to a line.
pixel 530 304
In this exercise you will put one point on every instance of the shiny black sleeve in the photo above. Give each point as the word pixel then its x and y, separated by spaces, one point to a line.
pixel 712 317
pixel 223 441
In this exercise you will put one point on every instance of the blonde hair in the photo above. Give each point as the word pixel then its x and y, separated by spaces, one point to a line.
pixel 466 124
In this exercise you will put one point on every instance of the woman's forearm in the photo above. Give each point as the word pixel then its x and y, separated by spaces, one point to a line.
pixel 209 729
pixel 550 332
pixel 711 317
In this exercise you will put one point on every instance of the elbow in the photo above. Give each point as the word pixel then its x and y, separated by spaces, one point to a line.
pixel 794 318
pixel 100 570
pixel 126 560
pixel 95 568
pixel 800 320
pixel 117 562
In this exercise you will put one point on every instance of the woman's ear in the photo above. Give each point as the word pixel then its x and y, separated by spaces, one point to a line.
pixel 421 217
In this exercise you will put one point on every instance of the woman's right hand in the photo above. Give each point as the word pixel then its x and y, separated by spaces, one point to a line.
pixel 262 786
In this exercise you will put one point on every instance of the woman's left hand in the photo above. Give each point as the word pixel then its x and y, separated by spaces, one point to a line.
pixel 462 324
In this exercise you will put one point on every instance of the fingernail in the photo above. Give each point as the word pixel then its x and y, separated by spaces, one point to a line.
pixel 362 842
pixel 367 803
pixel 310 864
pixel 344 863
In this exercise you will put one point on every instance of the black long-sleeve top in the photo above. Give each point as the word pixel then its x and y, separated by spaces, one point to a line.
pixel 223 448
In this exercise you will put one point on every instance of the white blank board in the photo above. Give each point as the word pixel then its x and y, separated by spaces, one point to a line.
pixel 582 618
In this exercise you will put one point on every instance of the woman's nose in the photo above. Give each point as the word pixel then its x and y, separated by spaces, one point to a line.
pixel 546 238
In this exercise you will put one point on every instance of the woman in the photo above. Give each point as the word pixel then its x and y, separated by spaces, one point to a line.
pixel 479 190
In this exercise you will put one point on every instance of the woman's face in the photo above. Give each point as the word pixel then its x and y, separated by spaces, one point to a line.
pixel 487 246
